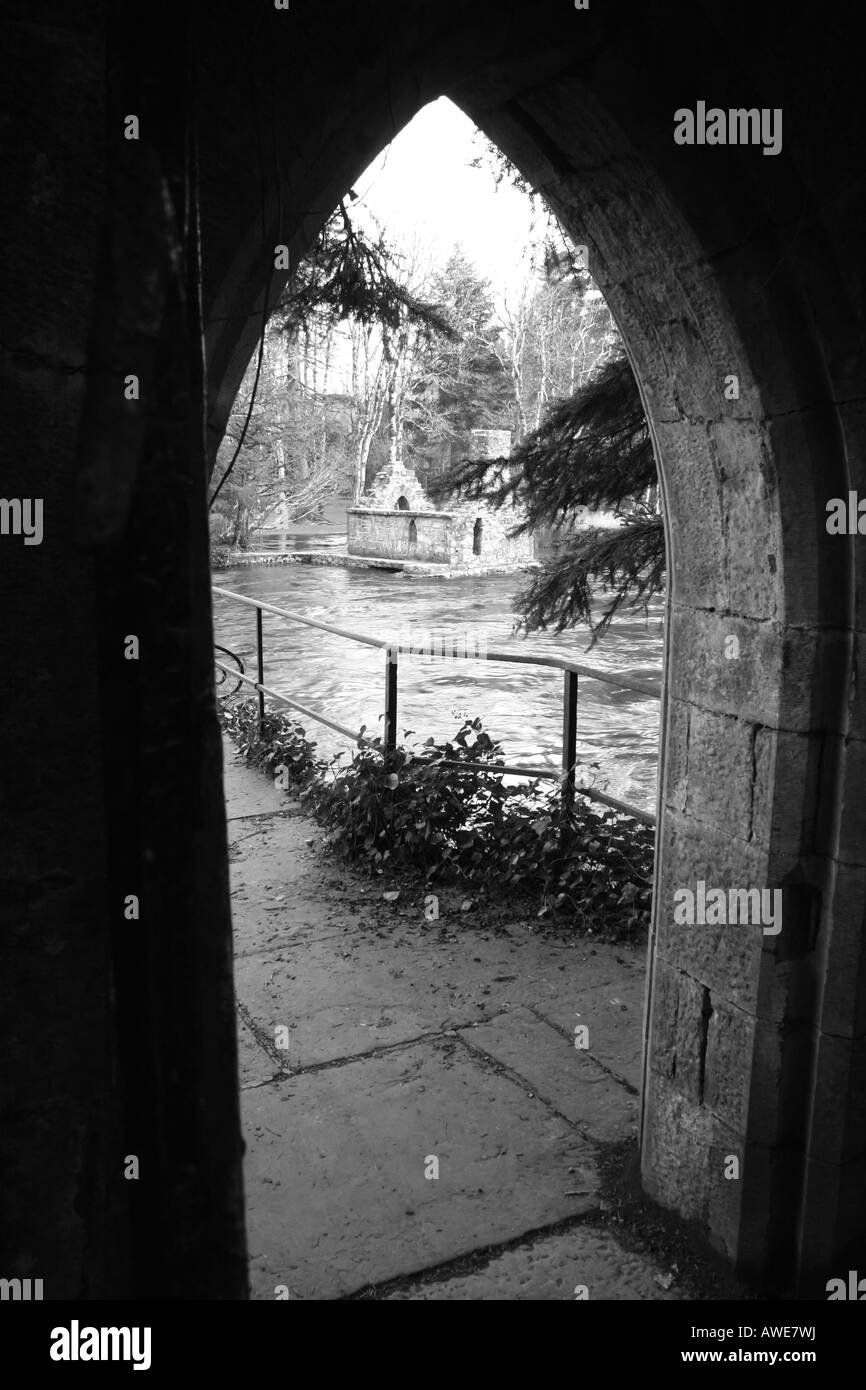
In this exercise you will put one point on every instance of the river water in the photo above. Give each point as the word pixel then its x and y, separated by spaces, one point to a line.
pixel 520 706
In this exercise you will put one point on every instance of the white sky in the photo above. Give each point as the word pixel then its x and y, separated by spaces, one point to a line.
pixel 422 184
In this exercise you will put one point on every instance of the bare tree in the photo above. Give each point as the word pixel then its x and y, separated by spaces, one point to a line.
pixel 551 338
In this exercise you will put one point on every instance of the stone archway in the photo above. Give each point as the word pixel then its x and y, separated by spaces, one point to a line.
pixel 725 312
pixel 719 264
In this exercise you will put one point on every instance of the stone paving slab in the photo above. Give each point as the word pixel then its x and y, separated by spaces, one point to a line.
pixel 255 1066
pixel 554 1267
pixel 341 1153
pixel 406 1039
pixel 357 989
pixel 569 1079
pixel 613 1013
pixel 266 856
pixel 251 795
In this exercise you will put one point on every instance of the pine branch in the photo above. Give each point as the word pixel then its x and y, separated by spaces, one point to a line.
pixel 630 561
pixel 350 277
pixel 592 451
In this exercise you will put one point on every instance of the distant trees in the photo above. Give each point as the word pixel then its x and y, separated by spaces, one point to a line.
pixel 292 458
pixel 552 336
pixel 497 366
pixel 294 454
pixel 458 381
pixel 425 355
pixel 582 441
pixel 416 350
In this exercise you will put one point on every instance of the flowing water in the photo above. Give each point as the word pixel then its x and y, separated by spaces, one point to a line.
pixel 520 706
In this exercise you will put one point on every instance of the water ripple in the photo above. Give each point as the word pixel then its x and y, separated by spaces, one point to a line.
pixel 520 707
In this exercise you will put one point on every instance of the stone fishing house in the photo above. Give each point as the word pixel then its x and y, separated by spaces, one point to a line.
pixel 395 520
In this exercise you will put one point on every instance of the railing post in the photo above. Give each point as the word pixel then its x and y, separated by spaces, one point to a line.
pixel 391 702
pixel 261 678
pixel 569 738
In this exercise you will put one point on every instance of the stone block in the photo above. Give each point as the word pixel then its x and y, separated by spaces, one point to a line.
pixel 740 1216
pixel 687 1151
pixel 809 550
pixel 788 792
pixel 723 776
pixel 745 686
pixel 852 837
pixel 815 674
pixel 838 1130
pixel 676 1030
pixel 725 1193
pixel 677 1138
pixel 754 550
pixel 725 958
pixel 729 1064
pixel 695 516
pixel 675 772
pixel 711 772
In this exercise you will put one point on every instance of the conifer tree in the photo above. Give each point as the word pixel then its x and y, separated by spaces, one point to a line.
pixel 593 450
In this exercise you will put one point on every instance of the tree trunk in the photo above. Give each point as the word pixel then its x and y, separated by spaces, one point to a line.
pixel 241 532
pixel 392 389
pixel 282 507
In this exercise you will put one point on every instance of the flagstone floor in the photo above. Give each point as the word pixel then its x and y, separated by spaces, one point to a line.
pixel 419 1122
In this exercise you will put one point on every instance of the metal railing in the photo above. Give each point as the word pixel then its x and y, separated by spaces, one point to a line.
pixel 571 670
pixel 237 675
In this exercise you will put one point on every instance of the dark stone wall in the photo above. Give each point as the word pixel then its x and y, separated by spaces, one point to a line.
pixel 118 1033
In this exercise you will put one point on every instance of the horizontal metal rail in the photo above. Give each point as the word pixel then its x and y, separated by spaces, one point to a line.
pixel 293 704
pixel 558 663
pixel 393 647
pixel 503 769
pixel 646 816
pixel 308 622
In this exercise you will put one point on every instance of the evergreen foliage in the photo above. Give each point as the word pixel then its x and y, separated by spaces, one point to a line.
pixel 428 811
pixel 592 451
pixel 348 275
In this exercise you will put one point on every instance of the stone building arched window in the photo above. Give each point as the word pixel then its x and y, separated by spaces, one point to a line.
pixel 476 536
pixel 413 535
pixel 402 504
